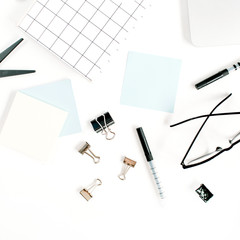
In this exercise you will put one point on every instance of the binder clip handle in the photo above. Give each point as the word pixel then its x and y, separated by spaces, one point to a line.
pixel 96 159
pixel 97 182
pixel 122 176
pixel 102 124
pixel 109 131
pixel 103 129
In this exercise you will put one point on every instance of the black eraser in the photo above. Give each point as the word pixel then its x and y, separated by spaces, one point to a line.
pixel 204 193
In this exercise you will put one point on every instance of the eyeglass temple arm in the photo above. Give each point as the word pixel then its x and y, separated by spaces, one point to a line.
pixel 200 129
pixel 206 155
pixel 201 116
pixel 209 159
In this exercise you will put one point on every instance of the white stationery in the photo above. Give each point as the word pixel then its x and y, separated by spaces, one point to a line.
pixel 32 126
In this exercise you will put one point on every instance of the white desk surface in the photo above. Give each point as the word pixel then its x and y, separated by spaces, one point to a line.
pixel 41 200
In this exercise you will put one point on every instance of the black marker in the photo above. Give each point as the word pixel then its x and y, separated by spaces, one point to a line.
pixel 149 158
pixel 217 76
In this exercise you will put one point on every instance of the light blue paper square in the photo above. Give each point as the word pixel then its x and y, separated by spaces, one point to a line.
pixel 60 95
pixel 150 81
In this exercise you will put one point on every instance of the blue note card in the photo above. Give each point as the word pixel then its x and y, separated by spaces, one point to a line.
pixel 150 81
pixel 60 95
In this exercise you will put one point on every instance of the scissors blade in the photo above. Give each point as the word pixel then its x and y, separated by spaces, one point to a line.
pixel 8 73
pixel 6 52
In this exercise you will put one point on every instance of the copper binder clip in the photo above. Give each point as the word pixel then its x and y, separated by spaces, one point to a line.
pixel 86 149
pixel 127 164
pixel 87 192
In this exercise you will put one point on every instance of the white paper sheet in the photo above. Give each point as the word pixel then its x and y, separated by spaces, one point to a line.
pixel 32 127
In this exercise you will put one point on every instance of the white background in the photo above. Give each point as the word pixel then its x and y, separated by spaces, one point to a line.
pixel 41 200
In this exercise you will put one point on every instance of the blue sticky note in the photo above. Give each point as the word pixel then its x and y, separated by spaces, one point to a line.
pixel 150 81
pixel 60 95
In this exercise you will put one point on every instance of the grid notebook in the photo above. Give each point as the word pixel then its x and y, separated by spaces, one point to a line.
pixel 83 33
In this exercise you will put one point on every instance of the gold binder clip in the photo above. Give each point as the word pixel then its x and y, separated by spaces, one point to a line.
pixel 127 163
pixel 87 192
pixel 85 148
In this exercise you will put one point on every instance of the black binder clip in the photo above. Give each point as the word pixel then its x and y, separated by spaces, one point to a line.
pixel 102 123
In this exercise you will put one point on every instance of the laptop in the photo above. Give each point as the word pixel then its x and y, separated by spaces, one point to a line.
pixel 214 22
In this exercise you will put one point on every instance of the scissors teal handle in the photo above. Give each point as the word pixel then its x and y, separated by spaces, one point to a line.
pixel 9 73
pixel 4 54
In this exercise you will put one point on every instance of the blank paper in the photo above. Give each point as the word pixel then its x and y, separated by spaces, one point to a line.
pixel 150 82
pixel 32 127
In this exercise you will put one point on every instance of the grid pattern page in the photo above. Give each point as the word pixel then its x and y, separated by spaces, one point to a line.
pixel 83 33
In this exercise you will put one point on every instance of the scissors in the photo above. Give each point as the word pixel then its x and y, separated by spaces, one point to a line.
pixel 4 54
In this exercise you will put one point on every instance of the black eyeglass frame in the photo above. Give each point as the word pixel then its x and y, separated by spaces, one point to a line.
pixel 185 166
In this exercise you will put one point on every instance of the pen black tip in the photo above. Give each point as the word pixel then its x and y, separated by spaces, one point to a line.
pixel 144 144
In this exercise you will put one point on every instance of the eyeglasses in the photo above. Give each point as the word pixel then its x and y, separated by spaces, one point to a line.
pixel 219 150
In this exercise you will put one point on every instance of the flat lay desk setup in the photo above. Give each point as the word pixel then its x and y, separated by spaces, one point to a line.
pixel 122 121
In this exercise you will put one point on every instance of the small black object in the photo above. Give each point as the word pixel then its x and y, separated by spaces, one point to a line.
pixel 204 193
pixel 102 123
pixel 218 75
pixel 212 79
